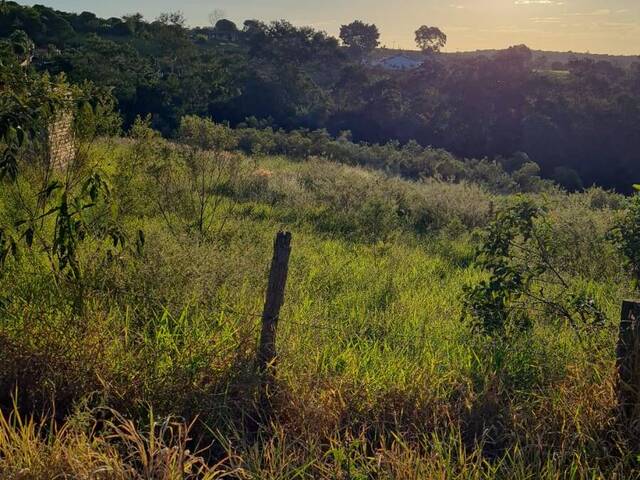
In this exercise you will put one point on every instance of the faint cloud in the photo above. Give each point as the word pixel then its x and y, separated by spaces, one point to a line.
pixel 546 19
pixel 538 2
pixel 620 25
pixel 595 13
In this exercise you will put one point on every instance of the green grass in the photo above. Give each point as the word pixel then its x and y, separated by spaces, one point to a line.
pixel 377 375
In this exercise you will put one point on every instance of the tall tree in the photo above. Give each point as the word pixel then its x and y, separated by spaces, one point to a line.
pixel 360 37
pixel 430 39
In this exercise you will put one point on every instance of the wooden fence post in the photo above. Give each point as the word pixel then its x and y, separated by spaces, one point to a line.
pixel 628 360
pixel 273 302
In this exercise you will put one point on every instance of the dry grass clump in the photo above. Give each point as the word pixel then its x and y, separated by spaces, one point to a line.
pixel 113 448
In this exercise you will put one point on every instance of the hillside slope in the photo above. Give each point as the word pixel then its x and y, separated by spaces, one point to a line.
pixel 373 354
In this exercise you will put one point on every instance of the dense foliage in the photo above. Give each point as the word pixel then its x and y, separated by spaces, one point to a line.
pixel 502 175
pixel 577 123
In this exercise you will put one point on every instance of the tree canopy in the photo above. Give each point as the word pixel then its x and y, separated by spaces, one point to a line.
pixel 360 37
pixel 430 39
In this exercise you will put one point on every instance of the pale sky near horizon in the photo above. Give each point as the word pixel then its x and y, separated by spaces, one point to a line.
pixel 597 26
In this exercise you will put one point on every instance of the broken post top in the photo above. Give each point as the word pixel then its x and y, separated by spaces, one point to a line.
pixel 630 310
pixel 278 275
pixel 283 240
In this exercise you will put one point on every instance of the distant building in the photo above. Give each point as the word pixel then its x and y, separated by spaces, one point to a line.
pixel 397 62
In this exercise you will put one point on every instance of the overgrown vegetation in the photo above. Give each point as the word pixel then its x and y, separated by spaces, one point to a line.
pixel 435 325
pixel 137 290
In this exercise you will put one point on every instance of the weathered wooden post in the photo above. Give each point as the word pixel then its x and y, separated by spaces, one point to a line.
pixel 628 360
pixel 273 302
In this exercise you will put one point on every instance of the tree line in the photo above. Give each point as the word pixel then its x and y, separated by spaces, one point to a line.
pixel 577 123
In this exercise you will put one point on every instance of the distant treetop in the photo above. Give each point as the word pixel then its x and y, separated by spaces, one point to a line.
pixel 225 25
pixel 360 37
pixel 430 39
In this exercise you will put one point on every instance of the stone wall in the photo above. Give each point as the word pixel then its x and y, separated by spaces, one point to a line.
pixel 62 148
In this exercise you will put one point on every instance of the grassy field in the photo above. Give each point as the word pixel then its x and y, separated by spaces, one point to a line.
pixel 142 366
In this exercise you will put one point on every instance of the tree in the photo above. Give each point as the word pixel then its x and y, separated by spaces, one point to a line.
pixel 430 39
pixel 254 26
pixel 517 57
pixel 86 22
pixel 226 26
pixel 58 219
pixel 134 23
pixel 174 19
pixel 360 37
pixel 193 177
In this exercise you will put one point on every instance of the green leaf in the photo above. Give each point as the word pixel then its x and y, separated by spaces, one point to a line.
pixel 46 193
pixel 14 247
pixel 140 242
pixel 28 236
pixel 637 186
pixel 9 165
pixel 21 137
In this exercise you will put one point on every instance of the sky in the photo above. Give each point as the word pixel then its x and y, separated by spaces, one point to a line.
pixel 596 26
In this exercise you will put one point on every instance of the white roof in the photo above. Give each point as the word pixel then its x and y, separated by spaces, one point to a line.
pixel 398 62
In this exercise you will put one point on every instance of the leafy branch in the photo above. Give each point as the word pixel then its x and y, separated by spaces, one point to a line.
pixel 523 277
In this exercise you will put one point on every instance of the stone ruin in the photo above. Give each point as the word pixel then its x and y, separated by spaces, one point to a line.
pixel 61 141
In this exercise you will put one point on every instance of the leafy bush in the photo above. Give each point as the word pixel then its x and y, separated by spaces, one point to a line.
pixel 493 304
pixel 526 274
pixel 626 235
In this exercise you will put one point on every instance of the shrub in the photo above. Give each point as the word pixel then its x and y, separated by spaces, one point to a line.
pixel 626 235
pixel 524 276
pixel 410 160
pixel 204 134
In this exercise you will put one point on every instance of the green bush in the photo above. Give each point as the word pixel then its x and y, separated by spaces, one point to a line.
pixel 626 235
pixel 410 160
